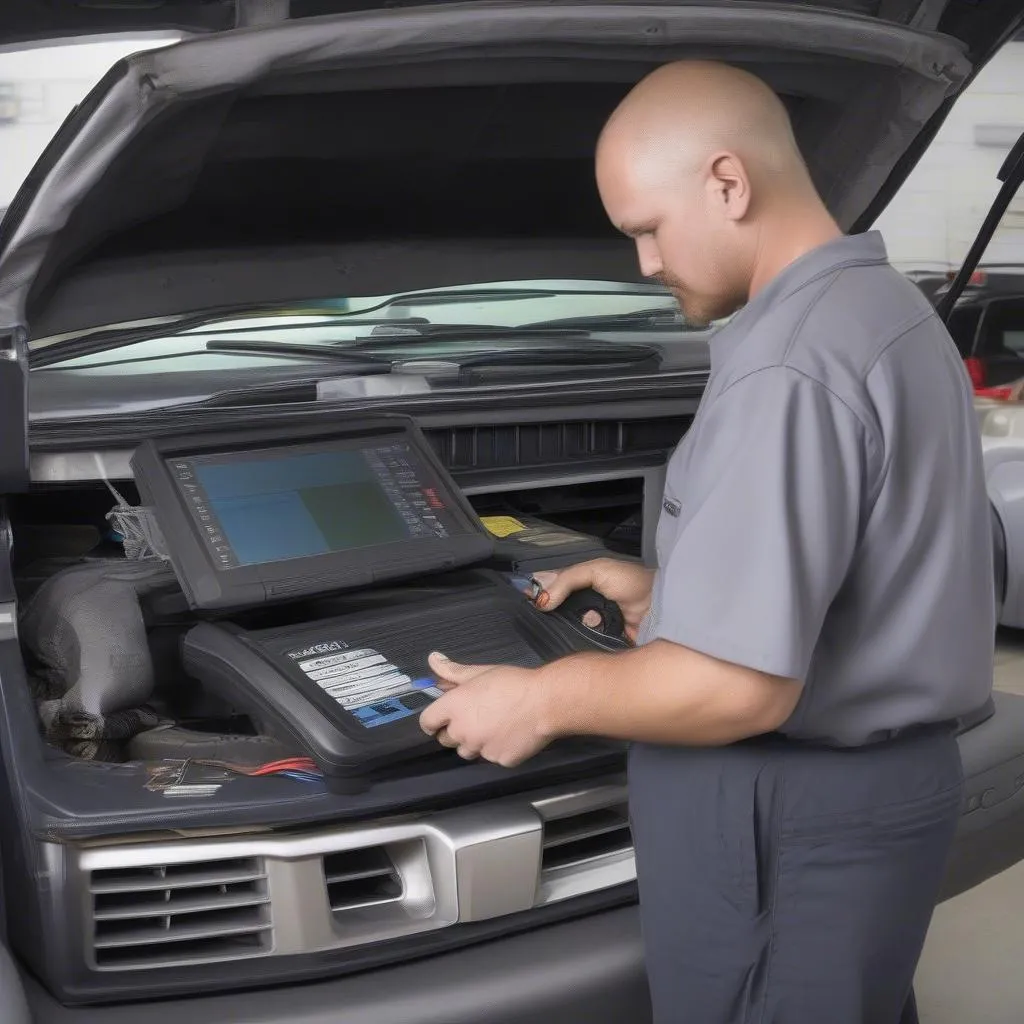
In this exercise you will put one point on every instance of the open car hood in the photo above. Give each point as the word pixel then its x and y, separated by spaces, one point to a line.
pixel 379 151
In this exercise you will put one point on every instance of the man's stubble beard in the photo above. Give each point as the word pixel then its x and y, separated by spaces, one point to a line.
pixel 700 314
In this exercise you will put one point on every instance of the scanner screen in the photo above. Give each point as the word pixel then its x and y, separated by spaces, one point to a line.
pixel 303 501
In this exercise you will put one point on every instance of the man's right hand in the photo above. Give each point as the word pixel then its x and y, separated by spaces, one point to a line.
pixel 626 583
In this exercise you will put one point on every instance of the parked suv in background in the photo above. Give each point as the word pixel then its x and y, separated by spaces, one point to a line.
pixel 987 325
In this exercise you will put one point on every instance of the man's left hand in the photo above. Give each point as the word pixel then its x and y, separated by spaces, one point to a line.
pixel 489 711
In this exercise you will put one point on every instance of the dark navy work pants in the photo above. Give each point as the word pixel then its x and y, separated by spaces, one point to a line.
pixel 783 883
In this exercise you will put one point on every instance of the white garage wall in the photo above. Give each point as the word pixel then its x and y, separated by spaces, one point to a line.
pixel 930 223
pixel 938 211
pixel 39 87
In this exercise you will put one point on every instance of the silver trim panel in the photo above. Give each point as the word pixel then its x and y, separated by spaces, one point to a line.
pixel 602 869
pixel 468 864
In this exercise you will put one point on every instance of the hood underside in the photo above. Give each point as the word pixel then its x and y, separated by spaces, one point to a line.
pixel 379 152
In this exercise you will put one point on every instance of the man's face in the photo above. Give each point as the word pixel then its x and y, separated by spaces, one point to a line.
pixel 682 239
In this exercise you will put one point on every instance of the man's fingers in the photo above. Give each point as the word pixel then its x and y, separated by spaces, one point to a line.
pixel 557 586
pixel 546 578
pixel 466 751
pixel 444 737
pixel 452 672
pixel 435 717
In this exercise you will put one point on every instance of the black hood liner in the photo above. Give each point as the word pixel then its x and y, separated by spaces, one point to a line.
pixel 443 162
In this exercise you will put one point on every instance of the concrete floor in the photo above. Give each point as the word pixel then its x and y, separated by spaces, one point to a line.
pixel 972 970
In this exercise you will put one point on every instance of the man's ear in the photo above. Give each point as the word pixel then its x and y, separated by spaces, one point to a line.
pixel 728 186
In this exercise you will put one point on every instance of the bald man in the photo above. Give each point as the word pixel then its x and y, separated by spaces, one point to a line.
pixel 823 607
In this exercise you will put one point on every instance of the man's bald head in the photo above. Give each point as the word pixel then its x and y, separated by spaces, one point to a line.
pixel 696 164
pixel 683 112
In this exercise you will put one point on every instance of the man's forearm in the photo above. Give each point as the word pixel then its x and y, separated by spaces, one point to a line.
pixel 661 693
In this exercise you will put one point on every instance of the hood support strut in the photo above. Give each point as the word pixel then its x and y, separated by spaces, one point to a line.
pixel 1011 174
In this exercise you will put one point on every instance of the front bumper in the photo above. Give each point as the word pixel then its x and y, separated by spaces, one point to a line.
pixel 586 971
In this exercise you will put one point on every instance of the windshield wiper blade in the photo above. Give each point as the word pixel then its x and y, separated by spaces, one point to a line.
pixel 663 317
pixel 362 364
pixel 387 334
pixel 588 355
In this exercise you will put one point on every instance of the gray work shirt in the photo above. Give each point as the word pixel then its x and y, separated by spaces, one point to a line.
pixel 825 517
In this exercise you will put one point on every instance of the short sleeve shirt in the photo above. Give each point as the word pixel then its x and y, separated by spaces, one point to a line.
pixel 825 518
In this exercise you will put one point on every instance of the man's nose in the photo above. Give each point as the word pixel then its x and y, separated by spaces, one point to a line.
pixel 648 256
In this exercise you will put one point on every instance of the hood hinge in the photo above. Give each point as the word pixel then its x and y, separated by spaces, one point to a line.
pixel 14 463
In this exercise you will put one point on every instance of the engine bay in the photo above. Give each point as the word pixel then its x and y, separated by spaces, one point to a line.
pixel 104 630
pixel 189 747
pixel 206 812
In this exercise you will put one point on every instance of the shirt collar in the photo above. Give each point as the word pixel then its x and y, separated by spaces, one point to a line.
pixel 845 251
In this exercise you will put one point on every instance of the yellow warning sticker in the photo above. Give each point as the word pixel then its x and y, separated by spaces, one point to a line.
pixel 502 526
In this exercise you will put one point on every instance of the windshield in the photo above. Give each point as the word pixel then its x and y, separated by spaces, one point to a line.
pixel 436 324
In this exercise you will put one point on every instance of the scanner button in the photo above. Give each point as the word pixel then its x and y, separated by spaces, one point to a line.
pixel 357 678
pixel 335 659
pixel 350 670
pixel 396 685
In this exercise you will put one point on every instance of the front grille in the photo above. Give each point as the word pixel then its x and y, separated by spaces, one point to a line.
pixel 587 845
pixel 195 900
pixel 360 878
pixel 583 839
pixel 170 914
